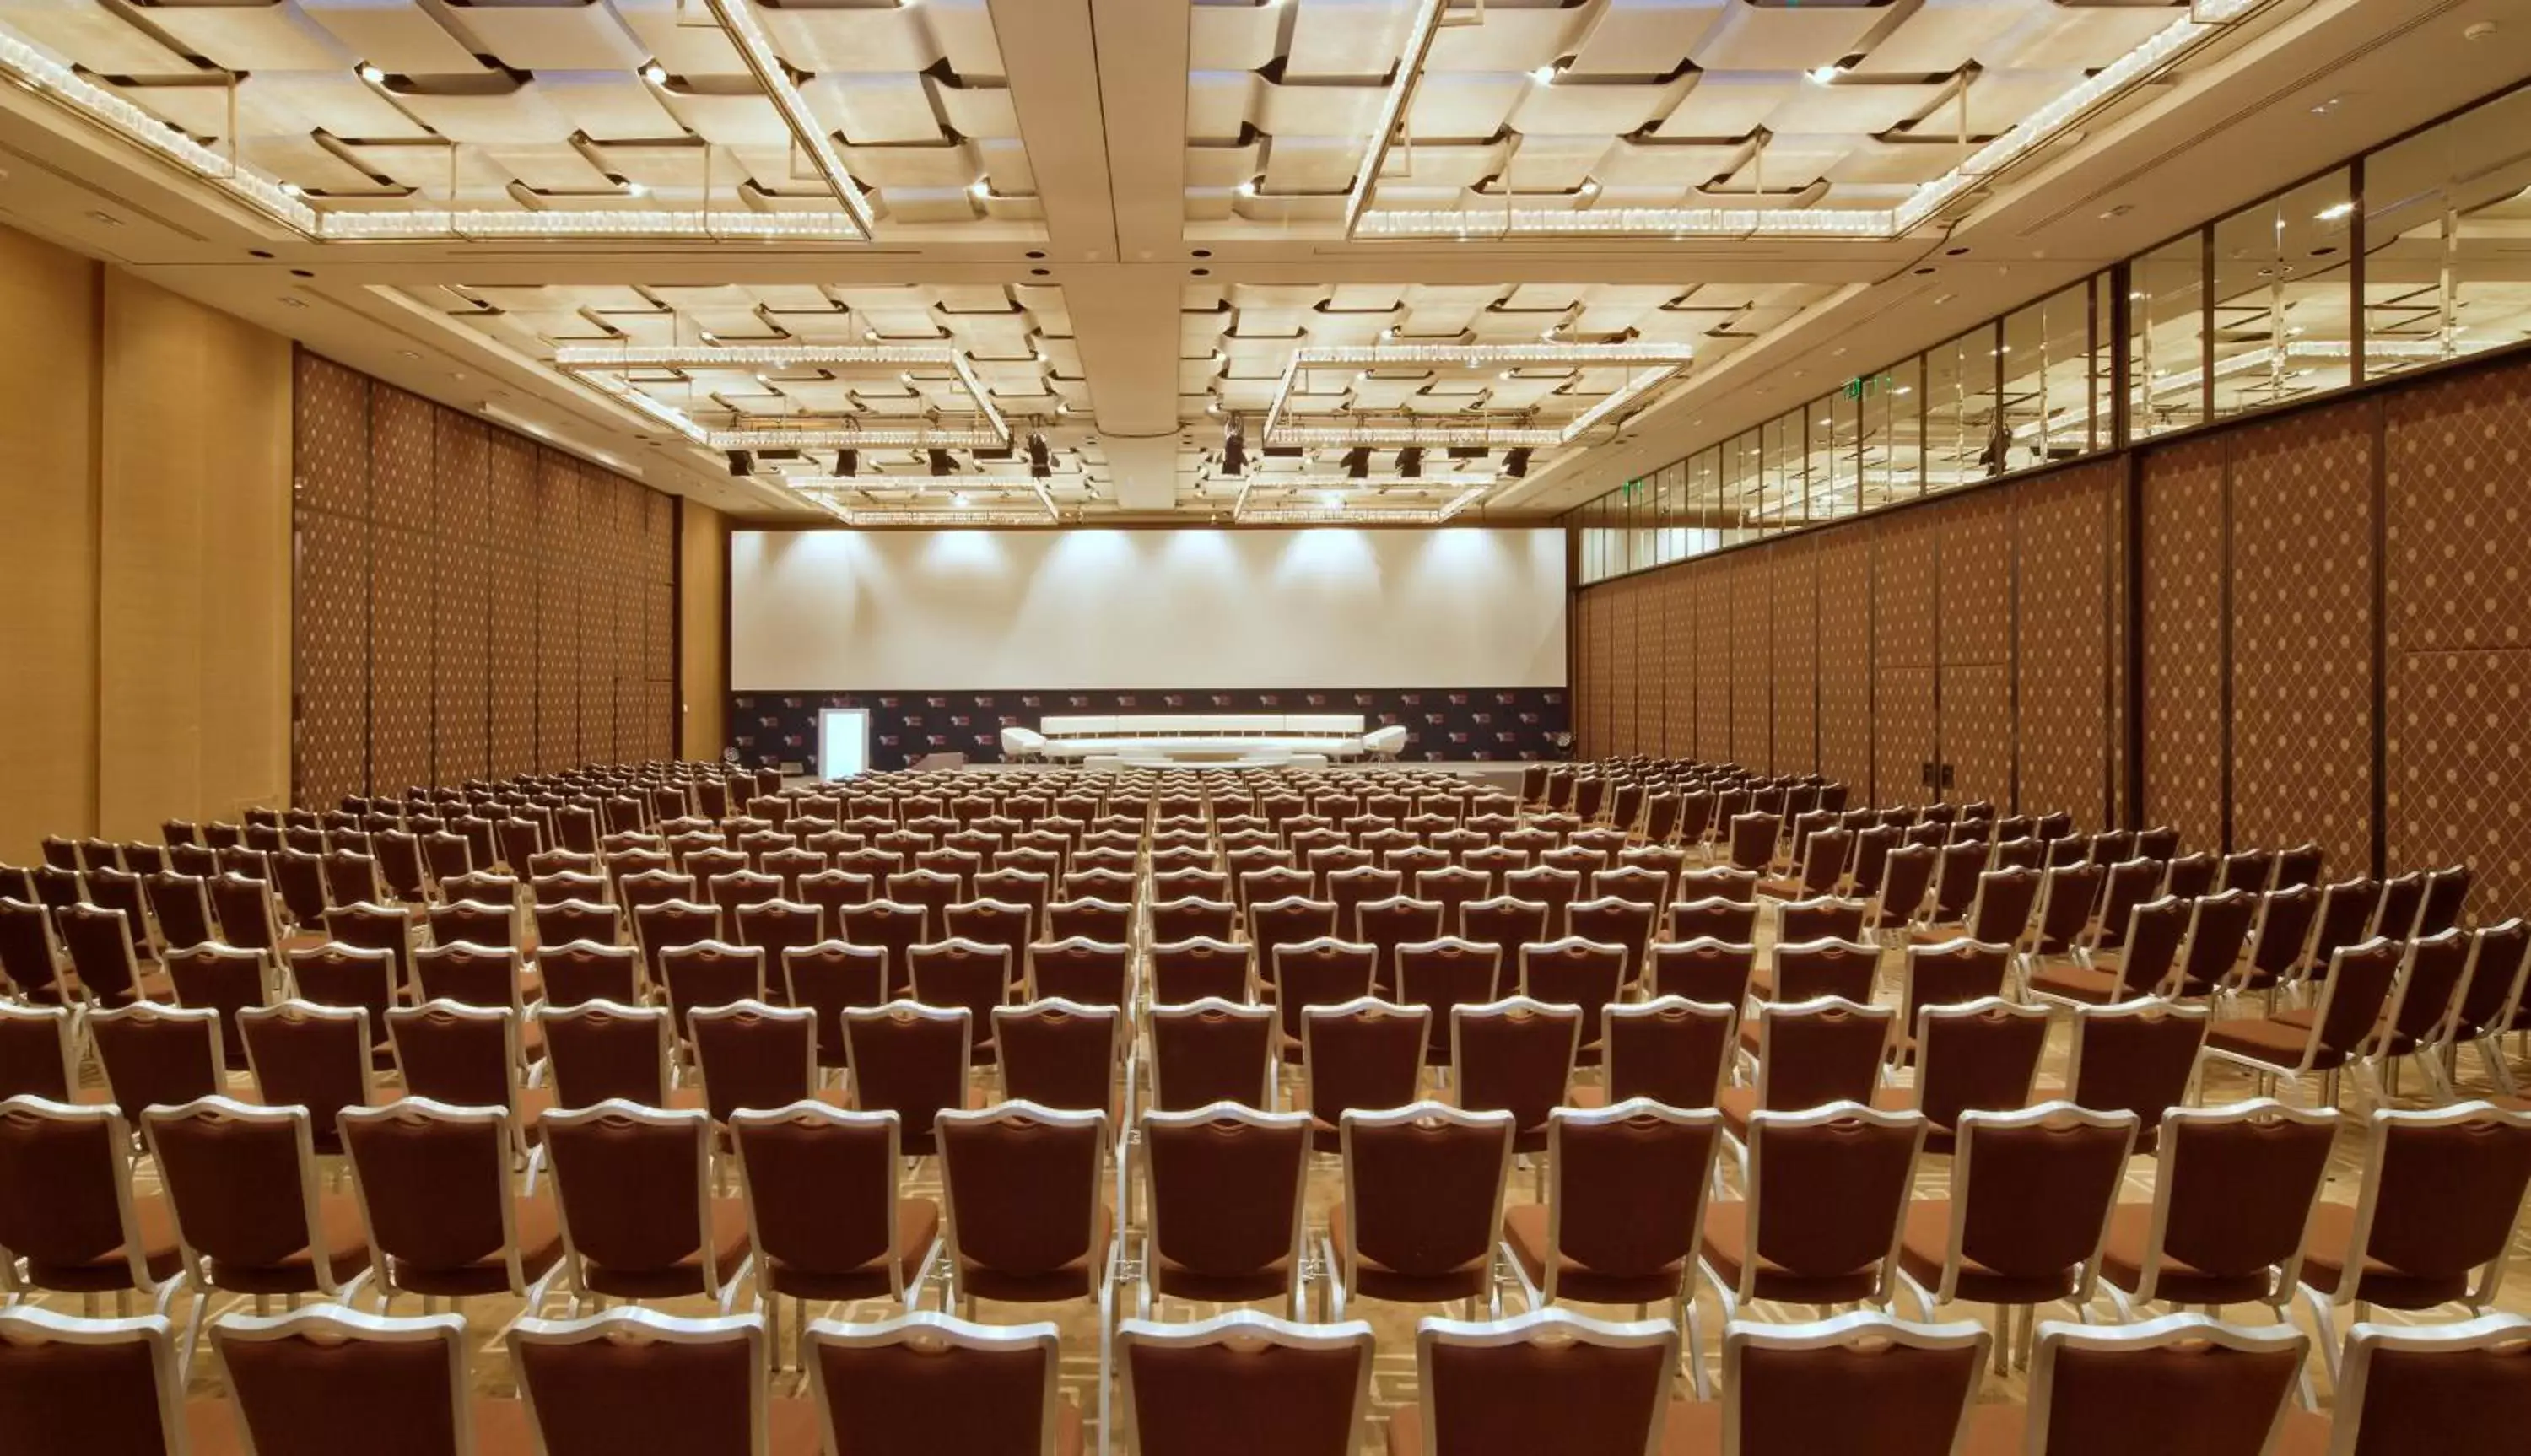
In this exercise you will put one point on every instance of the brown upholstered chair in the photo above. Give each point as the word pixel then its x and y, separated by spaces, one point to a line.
pixel 2420 1027
pixel 1810 1054
pixel 635 1380
pixel 1063 1054
pixel 1363 1054
pixel 1092 973
pixel 1703 969
pixel 2451 1387
pixel 831 890
pixel 1441 975
pixel 316 1057
pixel 2434 1220
pixel 828 977
pixel 1103 921
pixel 890 925
pixel 1591 975
pixel 601 1051
pixel 775 927
pixel 968 975
pixel 435 1187
pixel 909 1059
pixel 1554 886
pixel 638 1217
pixel 2028 1213
pixel 1515 1055
pixel 2182 1382
pixel 1906 876
pixel 70 1219
pixel 1211 1051
pixel 464 1056
pixel 580 971
pixel 930 1383
pixel 2135 1056
pixel 1978 1056
pixel 1318 972
pixel 181 906
pixel 2357 1005
pixel 1836 1178
pixel 1623 1222
pixel 102 1387
pixel 242 1184
pixel 1510 1385
pixel 39 1054
pixel 1422 1205
pixel 1856 1382
pixel 2233 1199
pixel 707 973
pixel 2143 962
pixel 474 922
pixel 562 921
pixel 2494 988
pixel 826 1219
pixel 155 1056
pixel 1226 1185
pixel 1267 1385
pixel 1198 967
pixel 1386 925
pixel 676 924
pixel 752 1056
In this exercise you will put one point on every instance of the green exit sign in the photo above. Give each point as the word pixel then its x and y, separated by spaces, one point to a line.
pixel 1864 386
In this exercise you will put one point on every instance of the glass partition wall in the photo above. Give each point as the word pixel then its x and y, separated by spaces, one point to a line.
pixel 2406 257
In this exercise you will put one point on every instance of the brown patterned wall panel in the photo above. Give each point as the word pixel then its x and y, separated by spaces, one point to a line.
pixel 1906 558
pixel 2066 554
pixel 1710 591
pixel 1845 658
pixel 632 672
pixel 461 673
pixel 601 541
pixel 1977 578
pixel 331 425
pixel 510 564
pixel 559 591
pixel 1794 582
pixel 2302 630
pixel 1652 659
pixel 403 454
pixel 2122 646
pixel 1903 733
pixel 1588 673
pixel 1752 654
pixel 1626 673
pixel 1977 732
pixel 2183 649
pixel 2459 774
pixel 1678 663
pixel 331 601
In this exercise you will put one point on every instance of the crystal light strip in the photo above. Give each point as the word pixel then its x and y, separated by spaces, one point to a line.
pixel 1003 483
pixel 1321 480
pixel 749 356
pixel 1351 515
pixel 1464 436
pixel 2157 53
pixel 837 437
pixel 1663 361
pixel 735 227
pixel 738 18
pixel 1393 105
pixel 1491 355
pixel 601 365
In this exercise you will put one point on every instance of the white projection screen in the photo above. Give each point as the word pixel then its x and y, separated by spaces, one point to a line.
pixel 956 610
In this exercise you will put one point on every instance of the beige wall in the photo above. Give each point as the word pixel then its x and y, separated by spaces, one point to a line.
pixel 144 471
pixel 703 579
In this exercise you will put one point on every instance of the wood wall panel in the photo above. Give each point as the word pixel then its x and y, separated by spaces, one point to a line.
pixel 1752 656
pixel 1711 590
pixel 1794 582
pixel 511 567
pixel 1846 658
pixel 2302 631
pixel 330 667
pixel 1626 681
pixel 2457 631
pixel 1678 665
pixel 460 627
pixel 1902 734
pixel 702 662
pixel 2183 640
pixel 558 597
pixel 402 456
pixel 1906 565
pixel 2067 557
pixel 1977 732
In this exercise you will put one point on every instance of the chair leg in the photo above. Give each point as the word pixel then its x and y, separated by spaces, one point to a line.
pixel 1686 1314
pixel 2324 1333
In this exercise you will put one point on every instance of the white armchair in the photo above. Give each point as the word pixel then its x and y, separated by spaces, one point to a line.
pixel 1385 743
pixel 1020 745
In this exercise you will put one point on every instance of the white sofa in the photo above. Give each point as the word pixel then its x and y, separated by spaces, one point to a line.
pixel 1200 738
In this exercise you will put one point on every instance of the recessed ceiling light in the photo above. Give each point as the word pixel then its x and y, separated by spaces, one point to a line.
pixel 408 353
pixel 1822 75
pixel 1248 188
pixel 980 188
pixel 2120 210
pixel 289 302
pixel 2333 212
pixel 656 73
pixel 371 74
pixel 636 190
pixel 1334 500
pixel 107 218
pixel 1544 75
pixel 958 499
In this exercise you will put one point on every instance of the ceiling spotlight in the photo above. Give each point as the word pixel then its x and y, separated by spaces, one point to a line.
pixel 1334 500
pixel 292 190
pixel 848 463
pixel 979 188
pixel 656 73
pixel 636 190
pixel 1410 463
pixel 942 462
pixel 1234 450
pixel 2334 211
pixel 1822 75
pixel 1516 462
pixel 1357 462
pixel 1248 188
pixel 742 463
pixel 371 74
pixel 958 499
pixel 1544 75
pixel 1041 458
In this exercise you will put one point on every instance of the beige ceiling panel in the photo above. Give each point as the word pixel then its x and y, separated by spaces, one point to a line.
pixel 911 169
pixel 551 167
pixel 730 121
pixel 1532 297
pixel 1510 39
pixel 1723 104
pixel 900 313
pixel 515 116
pixel 1220 104
pixel 1004 162
pixel 1944 36
pixel 1765 37
pixel 1671 165
pixel 197 109
pixel 925 205
pixel 1240 36
pixel 1410 171
pixel 299 158
pixel 608 105
pixel 1643 38
pixel 566 37
pixel 963 31
pixel 336 102
pixel 1347 37
pixel 1850 106
pixel 666 29
pixel 426 167
pixel 822 40
pixel 1435 310
pixel 398 36
pixel 874 110
pixel 1897 163
pixel 2059 35
pixel 1317 110
pixel 93 37
pixel 1311 164
pixel 995 336
pixel 1611 109
pixel 1610 306
pixel 1196 376
pixel 1786 163
pixel 1552 163
pixel 1466 106
pixel 1999 99
pixel 681 168
pixel 270 36
pixel 978 110
pixel 1221 167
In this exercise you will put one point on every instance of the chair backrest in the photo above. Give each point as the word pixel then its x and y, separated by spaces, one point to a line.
pixel 821 1188
pixel 708 972
pixel 1022 1186
pixel 1211 1051
pixel 91 1388
pixel 1857 1382
pixel 456 1052
pixel 634 1378
pixel 433 1182
pixel 2359 1000
pixel 1364 1053
pixel 1059 1053
pixel 156 1055
pixel 2449 1387
pixel 2395 915
pixel 753 1056
pixel 1303 1390
pixel 1840 1174
pixel 1703 969
pixel 241 1182
pixel 910 1059
pixel 477 975
pixel 1515 1054
pixel 2032 1191
pixel 601 1051
pixel 1671 1050
pixel 1423 1188
pixel 2442 1192
pixel 2182 1382
pixel 634 1188
pixel 580 971
pixel 1577 971
pixel 1951 973
pixel 1810 1054
pixel 2237 1190
pixel 1978 1056
pixel 932 1382
pixel 37 1057
pixel 2431 985
pixel 2135 1056
pixel 1808 970
pixel 66 1205
pixel 1628 1199
pixel 1514 1384
pixel 1227 1184
pixel 313 1056
pixel 2499 961
pixel 2345 919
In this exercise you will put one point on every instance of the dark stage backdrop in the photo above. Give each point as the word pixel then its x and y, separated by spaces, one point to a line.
pixel 1446 724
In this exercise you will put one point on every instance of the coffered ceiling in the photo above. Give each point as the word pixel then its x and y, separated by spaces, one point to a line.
pixel 945 260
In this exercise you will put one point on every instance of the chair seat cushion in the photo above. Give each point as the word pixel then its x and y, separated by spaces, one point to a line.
pixel 2122 1256
pixel 2323 1267
pixel 1525 1234
pixel 2074 984
pixel 2277 1042
pixel 1690 1427
pixel 918 1227
pixel 1924 1242
pixel 1726 1249
pixel 341 1235
pixel 1375 1280
pixel 536 1225
pixel 725 1243
pixel 112 1270
pixel 1070 1280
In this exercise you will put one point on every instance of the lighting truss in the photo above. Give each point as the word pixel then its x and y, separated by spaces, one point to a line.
pixel 1658 364
pixel 36 71
pixel 2148 61
pixel 1246 513
pixel 1033 507
pixel 604 368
